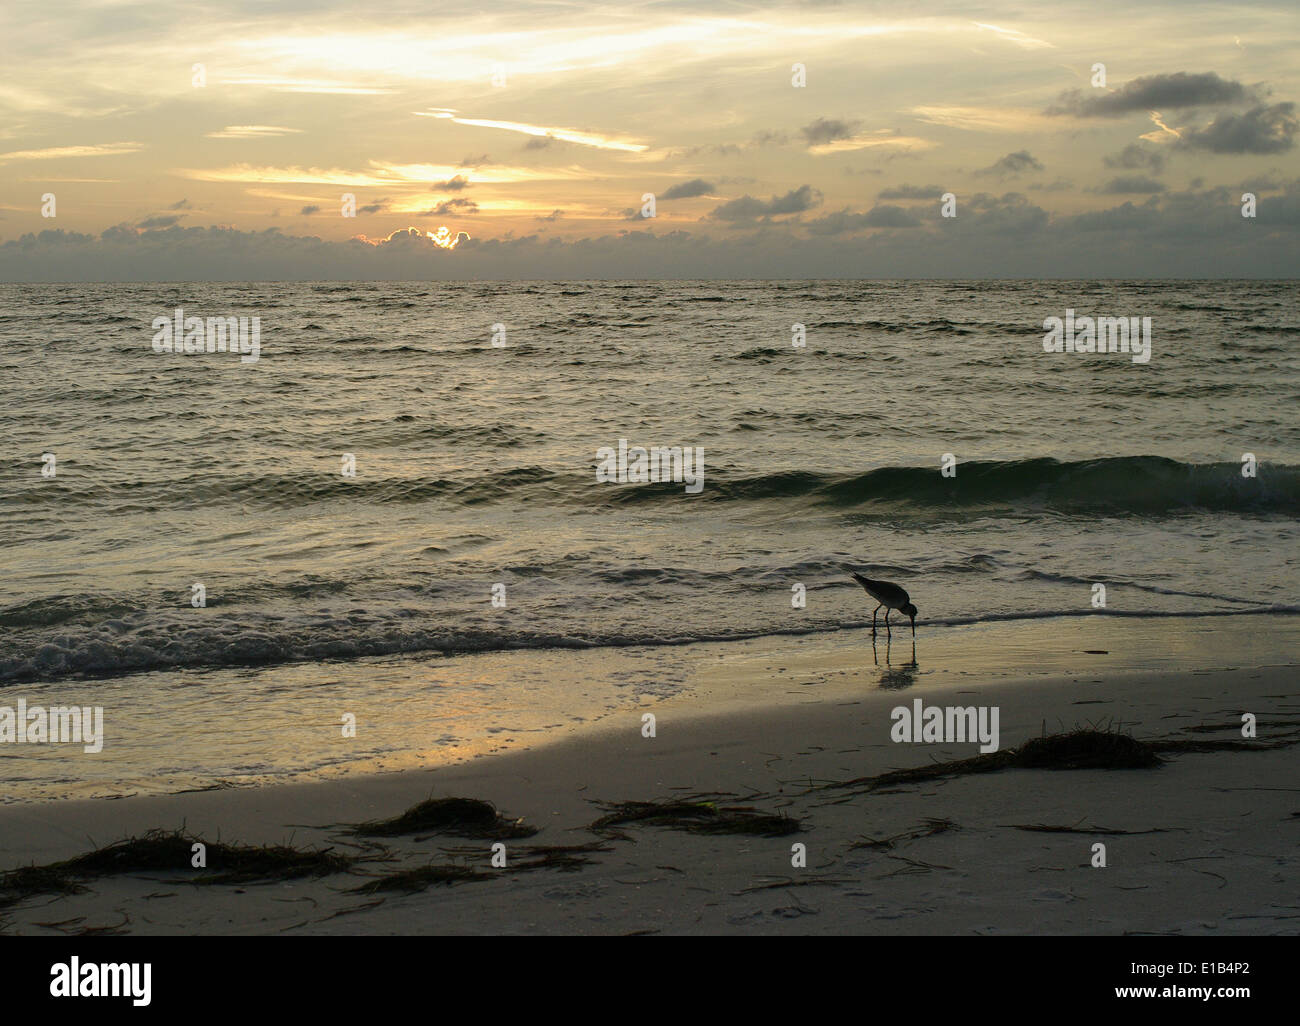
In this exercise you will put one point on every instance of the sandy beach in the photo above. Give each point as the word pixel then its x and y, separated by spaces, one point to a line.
pixel 695 469
pixel 1204 843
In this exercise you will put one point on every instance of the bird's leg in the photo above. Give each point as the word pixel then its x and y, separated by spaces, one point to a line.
pixel 888 632
pixel 873 620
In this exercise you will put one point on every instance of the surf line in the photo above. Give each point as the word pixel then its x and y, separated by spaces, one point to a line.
pixel 656 465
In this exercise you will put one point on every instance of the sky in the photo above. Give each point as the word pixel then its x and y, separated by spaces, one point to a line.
pixel 228 141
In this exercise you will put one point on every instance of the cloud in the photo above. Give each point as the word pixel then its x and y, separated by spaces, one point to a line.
pixel 839 223
pixel 830 135
pixel 912 192
pixel 688 190
pixel 281 175
pixel 1125 219
pixel 1015 36
pixel 1131 184
pixel 1008 215
pixel 326 87
pixel 1153 92
pixel 540 142
pixel 459 205
pixel 1170 235
pixel 252 132
pixel 573 135
pixel 554 215
pixel 183 204
pixel 749 209
pixel 1134 156
pixel 475 162
pixel 49 237
pixel 382 174
pixel 827 130
pixel 162 221
pixel 981 119
pixel 714 149
pixel 879 216
pixel 1012 164
pixel 310 209
pixel 415 239
pixel 1260 130
pixel 454 184
pixel 1265 183
pixel 69 152
pixel 897 145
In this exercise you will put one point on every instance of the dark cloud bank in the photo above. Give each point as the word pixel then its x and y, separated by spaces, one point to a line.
pixel 1165 235
pixel 1154 92
pixel 1263 128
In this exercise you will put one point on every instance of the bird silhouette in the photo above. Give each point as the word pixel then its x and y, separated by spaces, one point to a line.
pixel 889 595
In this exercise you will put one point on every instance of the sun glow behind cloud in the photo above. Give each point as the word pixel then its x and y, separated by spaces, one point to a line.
pixel 443 238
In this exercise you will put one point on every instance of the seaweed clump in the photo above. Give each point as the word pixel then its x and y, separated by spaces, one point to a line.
pixel 171 851
pixel 1075 749
pixel 1085 749
pixel 460 817
pixel 697 817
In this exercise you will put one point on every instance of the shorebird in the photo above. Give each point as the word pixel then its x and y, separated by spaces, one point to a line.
pixel 891 596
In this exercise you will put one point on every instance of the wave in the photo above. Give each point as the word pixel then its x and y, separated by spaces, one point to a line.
pixel 117 647
pixel 1122 486
pixel 1151 589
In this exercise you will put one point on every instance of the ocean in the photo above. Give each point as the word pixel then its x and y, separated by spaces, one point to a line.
pixel 199 558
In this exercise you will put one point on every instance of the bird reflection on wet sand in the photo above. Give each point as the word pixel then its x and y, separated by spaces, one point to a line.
pixel 895 678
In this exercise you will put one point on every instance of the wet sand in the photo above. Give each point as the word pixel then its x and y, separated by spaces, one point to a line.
pixel 1205 843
